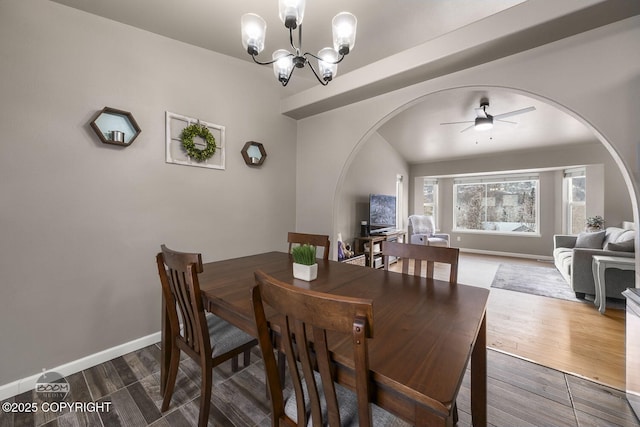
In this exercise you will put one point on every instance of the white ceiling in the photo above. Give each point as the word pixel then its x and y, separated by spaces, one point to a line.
pixel 418 135
pixel 385 27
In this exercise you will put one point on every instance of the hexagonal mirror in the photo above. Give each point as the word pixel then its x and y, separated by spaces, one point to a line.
pixel 253 153
pixel 115 126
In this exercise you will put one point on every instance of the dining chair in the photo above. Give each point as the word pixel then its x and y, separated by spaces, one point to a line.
pixel 206 338
pixel 317 240
pixel 302 319
pixel 414 255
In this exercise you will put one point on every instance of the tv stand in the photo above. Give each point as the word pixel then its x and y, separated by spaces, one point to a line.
pixel 383 232
pixel 373 253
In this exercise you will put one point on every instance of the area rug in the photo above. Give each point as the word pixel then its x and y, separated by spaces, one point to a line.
pixel 530 279
pixel 541 280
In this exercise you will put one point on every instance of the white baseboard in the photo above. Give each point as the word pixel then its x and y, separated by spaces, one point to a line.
pixel 508 254
pixel 25 384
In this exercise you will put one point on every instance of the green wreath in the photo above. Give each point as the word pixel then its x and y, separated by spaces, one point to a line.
pixel 190 147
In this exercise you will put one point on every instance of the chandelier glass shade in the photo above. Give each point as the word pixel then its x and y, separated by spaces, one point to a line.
pixel 291 12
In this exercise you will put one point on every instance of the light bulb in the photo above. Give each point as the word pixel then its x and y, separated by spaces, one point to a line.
pixel 327 66
pixel 344 32
pixel 291 12
pixel 283 65
pixel 254 30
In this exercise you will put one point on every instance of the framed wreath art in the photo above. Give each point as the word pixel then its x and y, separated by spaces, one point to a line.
pixel 194 142
pixel 199 154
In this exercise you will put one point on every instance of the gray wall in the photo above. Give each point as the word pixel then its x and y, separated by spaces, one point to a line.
pixel 82 221
pixel 374 170
pixel 617 203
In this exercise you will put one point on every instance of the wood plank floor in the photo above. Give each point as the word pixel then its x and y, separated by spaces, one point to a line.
pixel 520 393
pixel 570 337
pixel 564 335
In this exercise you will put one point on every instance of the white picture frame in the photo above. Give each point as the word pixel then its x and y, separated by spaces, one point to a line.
pixel 176 154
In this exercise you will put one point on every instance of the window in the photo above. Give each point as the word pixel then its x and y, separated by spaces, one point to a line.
pixel 575 196
pixel 504 205
pixel 430 199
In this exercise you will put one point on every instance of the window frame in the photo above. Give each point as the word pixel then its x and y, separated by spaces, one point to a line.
pixel 497 179
pixel 567 198
pixel 434 204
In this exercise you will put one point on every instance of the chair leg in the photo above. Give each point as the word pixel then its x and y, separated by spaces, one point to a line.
pixel 205 396
pixel 174 361
pixel 247 358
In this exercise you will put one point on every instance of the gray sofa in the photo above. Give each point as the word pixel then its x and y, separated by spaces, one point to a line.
pixel 575 262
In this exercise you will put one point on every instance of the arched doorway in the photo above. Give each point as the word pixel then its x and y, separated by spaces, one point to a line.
pixel 434 100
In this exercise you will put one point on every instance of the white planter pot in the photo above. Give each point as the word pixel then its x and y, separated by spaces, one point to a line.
pixel 305 272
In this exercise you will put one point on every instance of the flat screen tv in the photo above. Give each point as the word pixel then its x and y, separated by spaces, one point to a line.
pixel 382 212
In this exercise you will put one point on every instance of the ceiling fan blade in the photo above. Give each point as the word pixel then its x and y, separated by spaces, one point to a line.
pixel 457 123
pixel 467 128
pixel 506 121
pixel 513 113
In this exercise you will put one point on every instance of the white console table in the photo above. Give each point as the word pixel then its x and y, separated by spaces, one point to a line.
pixel 599 264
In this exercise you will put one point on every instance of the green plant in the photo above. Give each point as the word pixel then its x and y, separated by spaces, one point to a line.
pixel 595 221
pixel 304 254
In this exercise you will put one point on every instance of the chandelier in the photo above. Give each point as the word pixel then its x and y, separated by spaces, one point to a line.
pixel 254 29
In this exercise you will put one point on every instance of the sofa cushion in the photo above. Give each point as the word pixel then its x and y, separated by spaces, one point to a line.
pixel 590 240
pixel 624 236
pixel 561 252
pixel 615 235
pixel 626 246
pixel 563 260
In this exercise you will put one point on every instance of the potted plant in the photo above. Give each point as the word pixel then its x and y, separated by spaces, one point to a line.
pixel 304 262
pixel 595 223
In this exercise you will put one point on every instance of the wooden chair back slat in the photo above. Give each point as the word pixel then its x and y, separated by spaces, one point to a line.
pixel 317 240
pixel 181 291
pixel 303 319
pixel 323 360
pixel 414 255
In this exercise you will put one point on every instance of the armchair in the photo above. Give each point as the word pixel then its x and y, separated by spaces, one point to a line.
pixel 422 232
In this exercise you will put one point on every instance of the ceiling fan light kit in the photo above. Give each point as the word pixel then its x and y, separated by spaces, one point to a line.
pixel 291 12
pixel 484 123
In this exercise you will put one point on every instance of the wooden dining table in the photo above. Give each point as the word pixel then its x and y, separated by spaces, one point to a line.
pixel 424 335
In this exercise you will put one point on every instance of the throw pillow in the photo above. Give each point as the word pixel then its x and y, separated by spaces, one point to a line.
pixel 590 240
pixel 626 246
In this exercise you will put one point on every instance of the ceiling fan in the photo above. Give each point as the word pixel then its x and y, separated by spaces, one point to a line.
pixel 484 120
